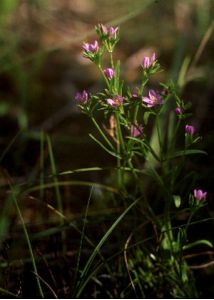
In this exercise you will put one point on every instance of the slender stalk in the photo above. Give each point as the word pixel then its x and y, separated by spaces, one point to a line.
pixel 28 242
pixel 136 112
pixel 111 59
pixel 102 133
pixel 54 171
pixel 77 269
pixel 119 132
pixel 41 163
pixel 159 135
pixel 103 75
pixel 120 146
pixel 57 190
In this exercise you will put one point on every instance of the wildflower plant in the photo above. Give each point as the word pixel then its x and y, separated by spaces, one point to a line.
pixel 129 113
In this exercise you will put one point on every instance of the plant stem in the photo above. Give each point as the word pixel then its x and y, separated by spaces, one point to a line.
pixel 119 146
pixel 159 135
pixel 111 59
pixel 136 112
pixel 102 133
pixel 58 195
pixel 104 77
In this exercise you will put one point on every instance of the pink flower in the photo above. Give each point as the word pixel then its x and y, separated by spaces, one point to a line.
pixel 111 32
pixel 178 111
pixel 136 130
pixel 199 195
pixel 153 99
pixel 189 129
pixel 82 98
pixel 148 61
pixel 109 73
pixel 116 101
pixel 93 47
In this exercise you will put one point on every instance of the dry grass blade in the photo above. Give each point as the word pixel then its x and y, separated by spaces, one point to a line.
pixel 48 285
pixel 202 45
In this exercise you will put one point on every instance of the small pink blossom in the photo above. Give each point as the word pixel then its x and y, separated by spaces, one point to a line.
pixel 111 32
pixel 93 47
pixel 178 111
pixel 189 129
pixel 109 73
pixel 199 195
pixel 116 101
pixel 148 61
pixel 136 130
pixel 153 99
pixel 81 98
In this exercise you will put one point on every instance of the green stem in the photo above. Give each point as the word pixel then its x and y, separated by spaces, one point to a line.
pixel 144 82
pixel 58 195
pixel 120 146
pixel 136 112
pixel 102 133
pixel 104 77
pixel 111 59
pixel 41 179
pixel 159 135
pixel 119 132
pixel 54 171
pixel 132 169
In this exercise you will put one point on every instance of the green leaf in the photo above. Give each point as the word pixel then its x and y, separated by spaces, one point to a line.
pixel 199 242
pixel 187 152
pixel 102 146
pixel 146 116
pixel 81 170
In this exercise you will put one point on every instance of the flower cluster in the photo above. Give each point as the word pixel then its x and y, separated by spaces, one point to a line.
pixel 108 32
pixel 109 36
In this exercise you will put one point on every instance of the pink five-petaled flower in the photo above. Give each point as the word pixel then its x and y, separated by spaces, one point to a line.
pixel 153 99
pixel 148 61
pixel 199 195
pixel 91 48
pixel 81 98
pixel 189 129
pixel 136 130
pixel 109 73
pixel 116 101
pixel 178 111
pixel 111 32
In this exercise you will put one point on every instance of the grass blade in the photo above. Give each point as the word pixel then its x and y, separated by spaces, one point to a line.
pixel 82 281
pixel 14 193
